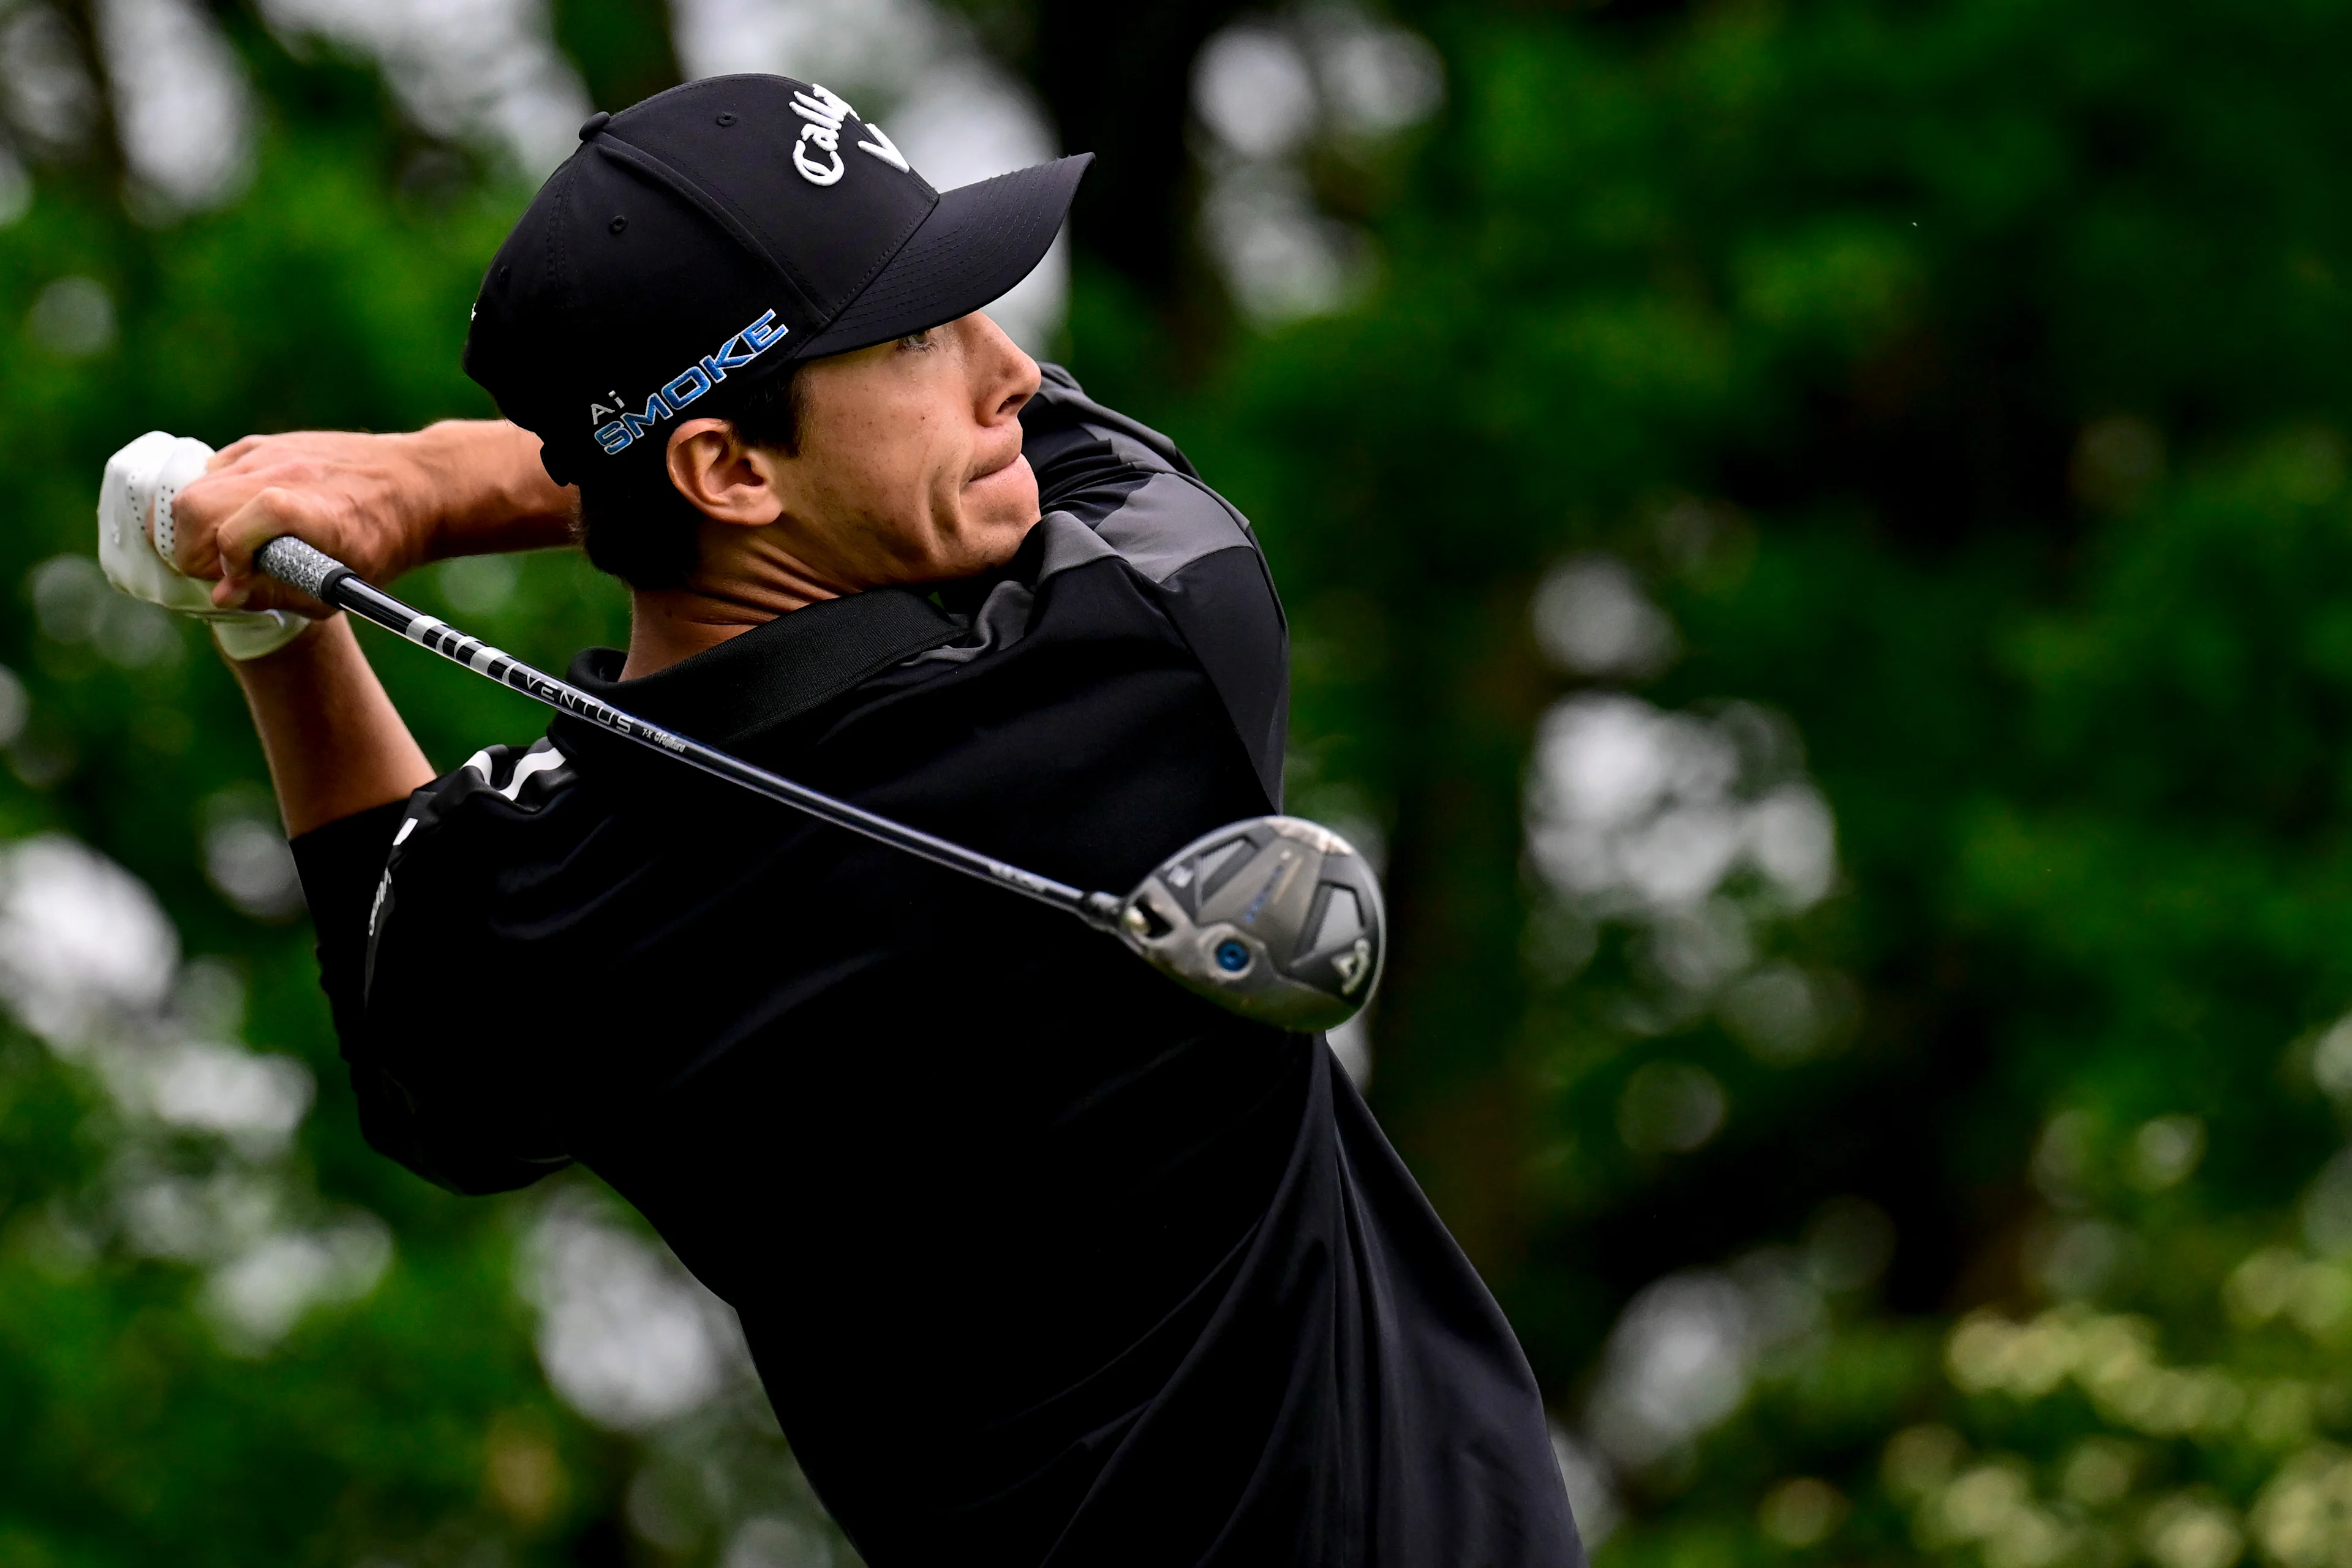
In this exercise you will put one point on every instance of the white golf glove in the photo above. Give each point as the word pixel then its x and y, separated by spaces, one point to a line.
pixel 134 543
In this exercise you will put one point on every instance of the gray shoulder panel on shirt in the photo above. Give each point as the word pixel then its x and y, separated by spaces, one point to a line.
pixel 1164 525
pixel 1069 543
pixel 1158 527
pixel 1004 617
pixel 1129 450
pixel 1132 439
pixel 1168 522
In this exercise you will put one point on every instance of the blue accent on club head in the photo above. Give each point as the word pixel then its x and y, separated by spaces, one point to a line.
pixel 1232 956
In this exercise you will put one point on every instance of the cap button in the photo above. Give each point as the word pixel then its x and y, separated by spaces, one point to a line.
pixel 594 123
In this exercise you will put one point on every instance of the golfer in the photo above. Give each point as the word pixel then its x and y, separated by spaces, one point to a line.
pixel 1042 1259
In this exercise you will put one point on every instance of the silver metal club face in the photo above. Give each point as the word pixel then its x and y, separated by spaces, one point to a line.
pixel 1276 917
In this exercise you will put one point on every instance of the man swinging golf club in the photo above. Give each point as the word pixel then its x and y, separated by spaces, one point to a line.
pixel 1042 1259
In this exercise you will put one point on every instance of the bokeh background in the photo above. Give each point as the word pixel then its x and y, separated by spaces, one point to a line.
pixel 1818 549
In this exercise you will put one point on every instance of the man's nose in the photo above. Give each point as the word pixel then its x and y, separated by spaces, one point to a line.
pixel 1010 377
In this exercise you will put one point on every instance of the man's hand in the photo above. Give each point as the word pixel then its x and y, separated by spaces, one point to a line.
pixel 383 505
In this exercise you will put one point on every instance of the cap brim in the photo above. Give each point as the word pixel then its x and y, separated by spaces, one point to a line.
pixel 979 242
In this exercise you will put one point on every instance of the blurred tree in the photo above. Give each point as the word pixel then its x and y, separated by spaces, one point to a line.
pixel 228 1333
pixel 1816 535
pixel 1940 409
pixel 622 47
pixel 1118 82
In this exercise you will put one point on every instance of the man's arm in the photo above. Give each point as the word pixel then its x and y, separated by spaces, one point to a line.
pixel 344 767
pixel 335 743
pixel 381 504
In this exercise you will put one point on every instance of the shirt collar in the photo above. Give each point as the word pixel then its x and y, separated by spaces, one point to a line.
pixel 731 694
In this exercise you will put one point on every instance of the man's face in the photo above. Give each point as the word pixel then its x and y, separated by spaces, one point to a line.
pixel 909 468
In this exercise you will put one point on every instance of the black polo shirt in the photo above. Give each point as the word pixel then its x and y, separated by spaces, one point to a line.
pixel 1042 1259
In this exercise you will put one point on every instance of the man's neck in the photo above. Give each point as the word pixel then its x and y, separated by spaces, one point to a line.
pixel 742 578
pixel 667 624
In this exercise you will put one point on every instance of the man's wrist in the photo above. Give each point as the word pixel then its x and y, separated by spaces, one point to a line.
pixel 272 669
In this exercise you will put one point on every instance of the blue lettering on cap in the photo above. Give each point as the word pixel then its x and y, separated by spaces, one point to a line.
pixel 738 351
pixel 655 410
pixel 760 336
pixel 687 387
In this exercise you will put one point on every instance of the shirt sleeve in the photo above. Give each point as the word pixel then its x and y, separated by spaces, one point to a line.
pixel 408 1112
pixel 340 865
pixel 1136 490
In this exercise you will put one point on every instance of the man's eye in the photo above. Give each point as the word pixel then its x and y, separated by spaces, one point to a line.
pixel 921 340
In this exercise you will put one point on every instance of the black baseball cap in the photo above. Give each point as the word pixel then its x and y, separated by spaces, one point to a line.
pixel 717 233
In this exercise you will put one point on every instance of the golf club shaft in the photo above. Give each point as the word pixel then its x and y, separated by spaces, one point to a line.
pixel 320 575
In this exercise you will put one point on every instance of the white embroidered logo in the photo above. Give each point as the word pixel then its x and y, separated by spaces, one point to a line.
pixel 824 110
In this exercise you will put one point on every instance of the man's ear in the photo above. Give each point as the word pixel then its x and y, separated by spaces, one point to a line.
pixel 726 477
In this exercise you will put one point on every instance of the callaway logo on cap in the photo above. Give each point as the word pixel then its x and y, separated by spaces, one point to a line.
pixel 715 234
pixel 824 112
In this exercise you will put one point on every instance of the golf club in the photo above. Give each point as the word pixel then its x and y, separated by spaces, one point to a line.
pixel 1275 918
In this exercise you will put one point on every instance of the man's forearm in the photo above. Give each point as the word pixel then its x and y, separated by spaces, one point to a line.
pixel 335 743
pixel 493 494
pixel 383 505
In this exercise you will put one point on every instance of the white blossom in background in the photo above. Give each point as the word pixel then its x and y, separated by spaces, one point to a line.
pixel 72 603
pixel 917 70
pixel 83 942
pixel 2165 1151
pixel 1591 1499
pixel 876 45
pixel 1593 618
pixel 720 1483
pixel 256 1297
pixel 1676 1363
pixel 766 1541
pixel 1670 1108
pixel 1686 1351
pixel 181 104
pixel 245 856
pixel 1781 1013
pixel 252 1100
pixel 1689 1348
pixel 2328 1208
pixel 1282 257
pixel 1698 830
pixel 46 85
pixel 1252 87
pixel 202 1124
pixel 248 862
pixel 15 188
pixel 194 1217
pixel 626 1336
pixel 2328 1202
pixel 477 584
pixel 2331 1062
pixel 1265 89
pixel 72 318
pixel 15 705
pixel 1636 810
pixel 1376 80
pixel 477 70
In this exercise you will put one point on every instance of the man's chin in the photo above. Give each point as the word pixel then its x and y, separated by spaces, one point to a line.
pixel 1007 493
pixel 990 544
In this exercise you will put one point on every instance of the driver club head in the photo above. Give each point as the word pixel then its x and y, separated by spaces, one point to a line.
pixel 1275 916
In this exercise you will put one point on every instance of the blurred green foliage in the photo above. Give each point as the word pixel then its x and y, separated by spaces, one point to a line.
pixel 1948 401
pixel 1964 382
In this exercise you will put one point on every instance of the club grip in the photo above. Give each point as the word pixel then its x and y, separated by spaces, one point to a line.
pixel 298 566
